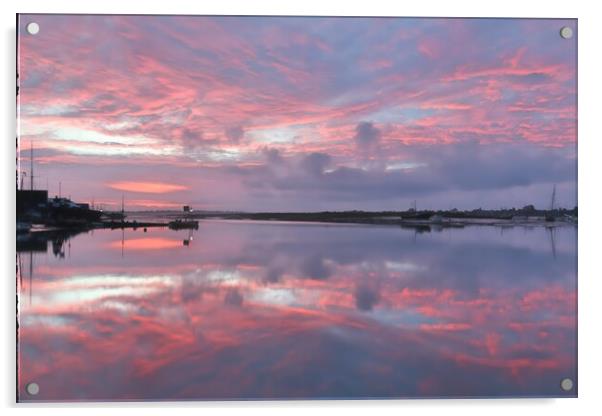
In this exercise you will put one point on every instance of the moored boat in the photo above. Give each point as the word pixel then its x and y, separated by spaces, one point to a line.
pixel 183 224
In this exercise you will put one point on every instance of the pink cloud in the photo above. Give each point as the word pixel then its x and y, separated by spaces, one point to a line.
pixel 146 187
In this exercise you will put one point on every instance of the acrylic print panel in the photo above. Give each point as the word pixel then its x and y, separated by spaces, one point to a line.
pixel 215 207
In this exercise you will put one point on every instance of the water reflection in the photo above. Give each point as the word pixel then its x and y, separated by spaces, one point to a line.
pixel 40 240
pixel 267 310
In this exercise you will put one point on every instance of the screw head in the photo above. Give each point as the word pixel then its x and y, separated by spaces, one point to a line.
pixel 33 28
pixel 566 384
pixel 566 32
pixel 32 389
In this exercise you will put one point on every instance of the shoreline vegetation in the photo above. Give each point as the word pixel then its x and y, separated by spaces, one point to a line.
pixel 444 218
pixel 36 212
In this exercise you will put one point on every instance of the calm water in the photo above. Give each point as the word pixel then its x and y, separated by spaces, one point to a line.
pixel 285 310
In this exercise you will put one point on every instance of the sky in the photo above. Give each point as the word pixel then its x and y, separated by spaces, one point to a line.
pixel 299 113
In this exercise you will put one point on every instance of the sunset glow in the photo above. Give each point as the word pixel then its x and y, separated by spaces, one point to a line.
pixel 147 187
pixel 146 244
pixel 301 113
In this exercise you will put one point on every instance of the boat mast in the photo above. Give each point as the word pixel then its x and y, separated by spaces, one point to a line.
pixel 553 198
pixel 31 167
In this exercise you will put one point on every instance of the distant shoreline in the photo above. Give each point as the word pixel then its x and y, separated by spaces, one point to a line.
pixel 451 218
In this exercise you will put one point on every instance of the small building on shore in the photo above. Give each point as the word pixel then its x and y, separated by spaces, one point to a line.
pixel 28 201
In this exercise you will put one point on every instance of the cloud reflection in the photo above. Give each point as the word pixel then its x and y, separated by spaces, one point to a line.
pixel 460 313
